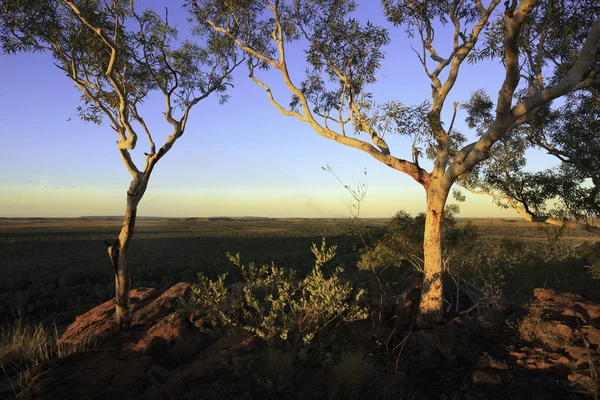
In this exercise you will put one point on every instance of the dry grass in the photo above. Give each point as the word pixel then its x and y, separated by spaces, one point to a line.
pixel 24 346
pixel 279 364
pixel 534 329
pixel 355 371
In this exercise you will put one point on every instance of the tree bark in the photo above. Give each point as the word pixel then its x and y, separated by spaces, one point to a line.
pixel 118 255
pixel 430 309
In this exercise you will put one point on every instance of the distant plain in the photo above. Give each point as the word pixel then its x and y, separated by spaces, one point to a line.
pixel 59 268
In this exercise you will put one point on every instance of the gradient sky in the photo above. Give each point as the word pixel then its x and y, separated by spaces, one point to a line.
pixel 239 159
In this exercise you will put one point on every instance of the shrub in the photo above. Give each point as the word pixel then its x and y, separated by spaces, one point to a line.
pixel 272 304
pixel 591 255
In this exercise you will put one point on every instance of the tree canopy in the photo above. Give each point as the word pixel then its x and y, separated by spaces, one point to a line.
pixel 549 49
pixel 118 57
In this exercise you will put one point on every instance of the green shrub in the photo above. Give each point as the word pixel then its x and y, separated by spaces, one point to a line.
pixel 272 304
pixel 591 255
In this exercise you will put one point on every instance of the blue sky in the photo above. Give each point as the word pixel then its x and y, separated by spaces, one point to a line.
pixel 242 158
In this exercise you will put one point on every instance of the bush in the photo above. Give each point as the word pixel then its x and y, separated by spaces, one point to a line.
pixel 272 304
pixel 591 255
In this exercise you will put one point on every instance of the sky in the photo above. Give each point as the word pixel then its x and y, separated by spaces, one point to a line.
pixel 242 158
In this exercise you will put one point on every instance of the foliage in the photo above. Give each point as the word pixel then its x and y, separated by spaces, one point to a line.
pixel 591 253
pixel 568 131
pixel 116 57
pixel 401 241
pixel 563 192
pixel 479 268
pixel 343 56
pixel 273 305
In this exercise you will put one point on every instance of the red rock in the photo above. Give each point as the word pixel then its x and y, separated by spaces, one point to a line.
pixel 518 354
pixel 487 361
pixel 162 306
pixel 570 304
pixel 108 374
pixel 579 378
pixel 592 335
pixel 560 368
pixel 480 377
pixel 564 331
pixel 579 356
pixel 98 323
pixel 164 332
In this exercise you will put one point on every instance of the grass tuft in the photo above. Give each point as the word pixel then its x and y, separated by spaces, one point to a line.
pixel 533 328
pixel 279 364
pixel 355 372
pixel 24 346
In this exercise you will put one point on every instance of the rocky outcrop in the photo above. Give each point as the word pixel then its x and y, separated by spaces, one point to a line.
pixel 98 325
pixel 166 356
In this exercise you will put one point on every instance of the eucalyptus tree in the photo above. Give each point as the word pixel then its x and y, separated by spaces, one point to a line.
pixel 343 56
pixel 567 193
pixel 118 57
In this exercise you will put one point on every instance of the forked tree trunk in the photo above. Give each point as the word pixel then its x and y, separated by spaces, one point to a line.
pixel 430 309
pixel 118 255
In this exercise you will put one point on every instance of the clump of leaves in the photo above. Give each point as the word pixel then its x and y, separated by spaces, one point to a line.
pixel 272 304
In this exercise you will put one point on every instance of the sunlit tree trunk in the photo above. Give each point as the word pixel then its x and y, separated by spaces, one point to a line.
pixel 430 309
pixel 118 254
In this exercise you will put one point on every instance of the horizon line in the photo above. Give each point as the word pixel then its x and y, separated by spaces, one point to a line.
pixel 226 217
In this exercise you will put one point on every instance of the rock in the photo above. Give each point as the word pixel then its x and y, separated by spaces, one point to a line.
pixel 518 354
pixel 592 335
pixel 579 378
pixel 101 374
pixel 487 361
pixel 98 324
pixel 335 389
pixel 563 331
pixel 579 356
pixel 480 377
pixel 569 305
pixel 158 336
pixel 559 368
pixel 405 308
pixel 208 365
pixel 162 306
pixel 445 340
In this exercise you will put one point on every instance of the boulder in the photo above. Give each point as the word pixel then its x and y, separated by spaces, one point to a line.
pixel 162 306
pixel 98 324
